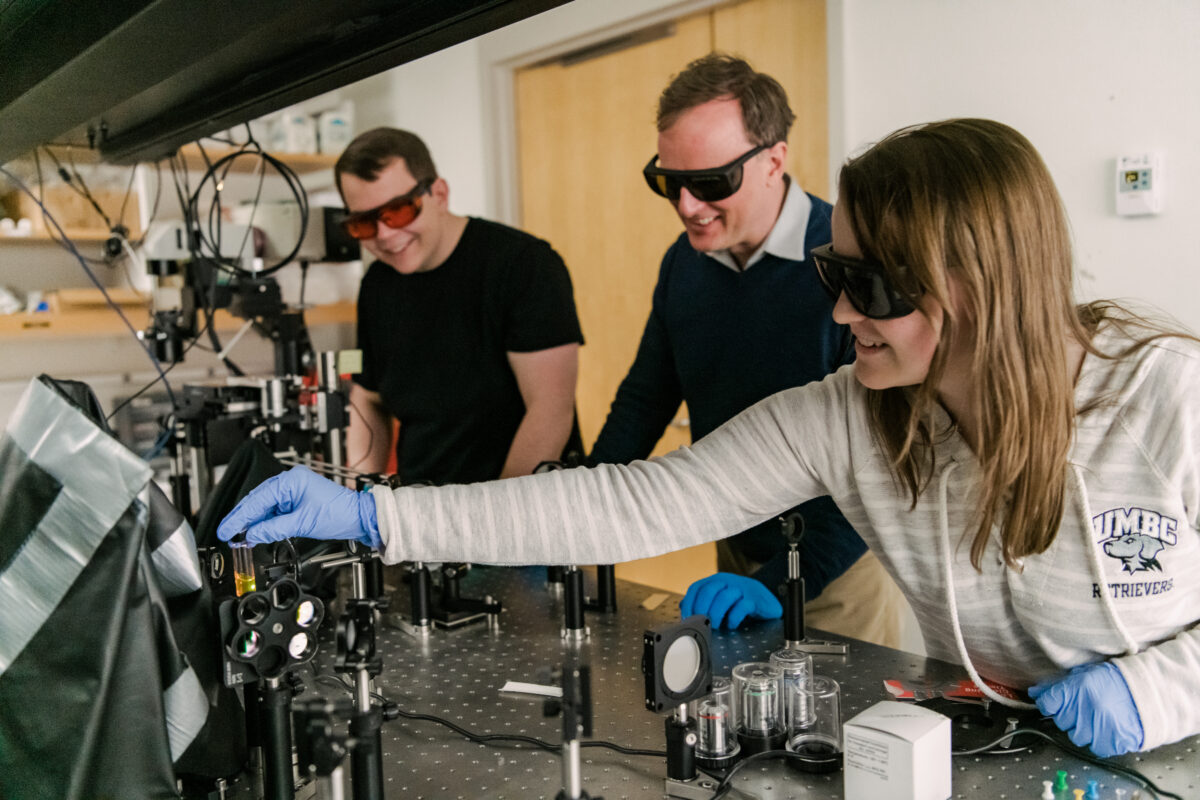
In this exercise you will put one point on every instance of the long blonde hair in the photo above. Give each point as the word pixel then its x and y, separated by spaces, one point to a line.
pixel 972 199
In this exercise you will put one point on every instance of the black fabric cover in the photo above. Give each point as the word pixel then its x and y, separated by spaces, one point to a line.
pixel 82 708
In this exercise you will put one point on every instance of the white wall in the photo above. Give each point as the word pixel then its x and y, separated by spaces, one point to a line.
pixel 438 98
pixel 453 99
pixel 1085 80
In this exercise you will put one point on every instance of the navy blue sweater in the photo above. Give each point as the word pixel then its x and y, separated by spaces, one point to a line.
pixel 721 341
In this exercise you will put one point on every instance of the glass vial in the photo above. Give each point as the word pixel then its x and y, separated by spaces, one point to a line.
pixel 819 743
pixel 243 567
pixel 758 688
pixel 797 669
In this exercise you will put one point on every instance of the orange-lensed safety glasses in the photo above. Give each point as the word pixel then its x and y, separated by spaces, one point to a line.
pixel 395 213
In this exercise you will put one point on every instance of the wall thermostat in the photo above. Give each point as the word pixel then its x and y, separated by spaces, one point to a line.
pixel 1139 184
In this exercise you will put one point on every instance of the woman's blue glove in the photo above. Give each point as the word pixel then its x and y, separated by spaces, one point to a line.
pixel 1093 705
pixel 730 598
pixel 300 503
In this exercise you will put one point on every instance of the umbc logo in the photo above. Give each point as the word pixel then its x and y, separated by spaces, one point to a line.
pixel 1135 536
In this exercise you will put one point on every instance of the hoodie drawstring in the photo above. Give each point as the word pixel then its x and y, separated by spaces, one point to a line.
pixel 944 524
pixel 1110 608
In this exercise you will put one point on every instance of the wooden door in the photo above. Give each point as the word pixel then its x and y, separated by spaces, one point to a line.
pixel 585 130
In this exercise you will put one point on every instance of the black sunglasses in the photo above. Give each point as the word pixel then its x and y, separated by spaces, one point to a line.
pixel 867 285
pixel 706 185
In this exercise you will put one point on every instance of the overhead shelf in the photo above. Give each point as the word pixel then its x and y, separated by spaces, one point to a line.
pixel 300 162
pixel 102 321
pixel 190 153
pixel 76 235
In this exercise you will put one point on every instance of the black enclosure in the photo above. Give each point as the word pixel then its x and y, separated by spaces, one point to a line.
pixel 138 78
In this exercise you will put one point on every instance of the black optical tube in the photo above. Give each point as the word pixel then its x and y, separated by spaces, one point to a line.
pixel 277 741
pixel 793 610
pixel 681 753
pixel 366 760
pixel 574 598
pixel 420 589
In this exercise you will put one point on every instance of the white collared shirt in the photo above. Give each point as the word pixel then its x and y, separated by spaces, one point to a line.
pixel 786 238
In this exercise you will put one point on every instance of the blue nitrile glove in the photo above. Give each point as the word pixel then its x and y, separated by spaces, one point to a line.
pixel 301 503
pixel 1093 705
pixel 725 597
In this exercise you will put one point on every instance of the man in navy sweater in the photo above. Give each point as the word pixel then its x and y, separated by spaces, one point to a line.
pixel 739 314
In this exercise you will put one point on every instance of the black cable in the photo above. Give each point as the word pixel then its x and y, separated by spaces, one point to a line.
pixel 198 241
pixel 158 181
pixel 50 229
pixel 303 281
pixel 192 213
pixel 1078 752
pixel 71 178
pixel 726 784
pixel 96 281
pixel 262 176
pixel 125 199
pixel 370 433
pixel 179 178
pixel 208 306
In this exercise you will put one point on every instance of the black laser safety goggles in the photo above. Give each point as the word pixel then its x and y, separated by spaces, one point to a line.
pixel 867 285
pixel 706 185
pixel 395 213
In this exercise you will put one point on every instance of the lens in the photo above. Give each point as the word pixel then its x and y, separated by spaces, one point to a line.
pixel 285 594
pixel 400 213
pixel 306 612
pixel 713 735
pixel 866 289
pixel 831 277
pixel 718 186
pixel 254 609
pixel 247 644
pixel 873 294
pixel 360 228
pixel 681 664
pixel 300 646
pixel 868 286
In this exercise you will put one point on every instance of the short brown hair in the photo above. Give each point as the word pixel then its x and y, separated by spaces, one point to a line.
pixel 765 110
pixel 373 150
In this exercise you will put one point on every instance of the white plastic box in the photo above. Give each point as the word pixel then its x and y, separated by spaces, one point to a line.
pixel 899 751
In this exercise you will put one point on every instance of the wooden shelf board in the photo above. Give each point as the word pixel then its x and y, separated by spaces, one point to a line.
pixel 300 162
pixel 76 235
pixel 102 321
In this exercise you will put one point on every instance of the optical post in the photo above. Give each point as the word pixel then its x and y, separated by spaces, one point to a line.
pixel 792 525
pixel 576 709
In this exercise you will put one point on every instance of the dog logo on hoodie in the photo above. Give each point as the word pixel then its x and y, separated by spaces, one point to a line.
pixel 1135 536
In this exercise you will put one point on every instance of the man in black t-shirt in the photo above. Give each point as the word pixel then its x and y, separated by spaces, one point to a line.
pixel 467 327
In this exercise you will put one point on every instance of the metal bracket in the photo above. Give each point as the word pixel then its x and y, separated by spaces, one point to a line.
pixel 818 647
pixel 700 788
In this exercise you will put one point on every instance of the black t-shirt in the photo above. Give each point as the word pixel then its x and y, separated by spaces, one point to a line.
pixel 434 346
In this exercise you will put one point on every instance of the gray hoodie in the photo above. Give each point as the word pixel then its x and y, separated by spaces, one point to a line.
pixel 1118 581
